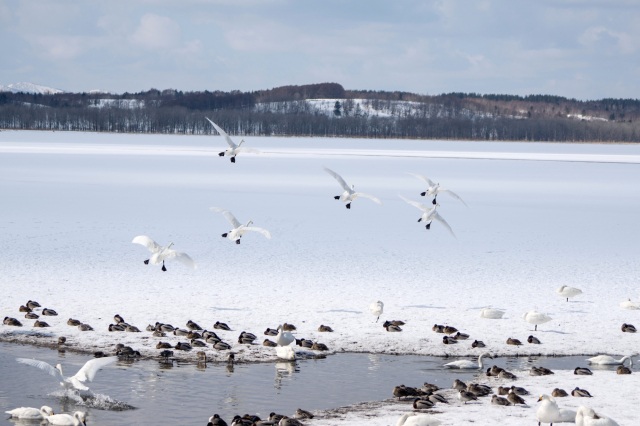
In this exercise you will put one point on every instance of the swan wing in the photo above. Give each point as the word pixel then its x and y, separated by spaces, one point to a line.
pixel 415 204
pixel 228 215
pixel 44 366
pixel 148 243
pixel 183 258
pixel 440 219
pixel 249 150
pixel 423 178
pixel 339 179
pixel 223 133
pixel 454 195
pixel 370 197
pixel 260 230
pixel 88 371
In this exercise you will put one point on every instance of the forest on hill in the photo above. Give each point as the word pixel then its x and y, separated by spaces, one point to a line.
pixel 328 109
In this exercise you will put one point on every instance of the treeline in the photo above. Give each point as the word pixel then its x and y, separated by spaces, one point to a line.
pixel 283 111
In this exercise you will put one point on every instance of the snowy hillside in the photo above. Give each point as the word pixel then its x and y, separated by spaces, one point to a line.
pixel 29 88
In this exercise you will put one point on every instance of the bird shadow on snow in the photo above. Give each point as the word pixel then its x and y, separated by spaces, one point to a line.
pixel 424 307
pixel 217 308
pixel 348 311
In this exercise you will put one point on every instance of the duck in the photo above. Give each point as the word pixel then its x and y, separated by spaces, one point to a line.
pixel 349 194
pixel 49 312
pixel 536 318
pixel 85 327
pixel 422 404
pixel 449 329
pixel 478 344
pixel 62 340
pixel 430 387
pixel 519 390
pixel 515 342
pixel 514 398
pixel 566 292
pixel 31 315
pixel 221 346
pixel 40 324
pixel 239 229
pixel 413 419
pixel 303 414
pixel 498 400
pixel 628 328
pixel 478 389
pixel 461 336
pixel 319 347
pixel 438 328
pixel 246 337
pixel 623 370
pixel 459 385
pixel 465 364
pixel 504 374
pixel 183 346
pixel 288 327
pixel 582 371
pixel 503 390
pixel 533 340
pixel 587 417
pixel 191 325
pixel 12 322
pixel 429 214
pixel 221 326
pixel 23 308
pixel 494 370
pixel 609 360
pixel 271 332
pixel 582 393
pixel 233 149
pixel 433 189
pixel 79 418
pixel 32 304
pixel 163 345
pixel 392 328
pixel 73 322
pixel 195 343
pixel 540 371
pixel 305 343
pixel 30 413
pixel 376 308
pixel 159 254
pixel 325 329
pixel 216 420
pixel 436 397
pixel 85 374
pixel 269 343
pixel 466 396
pixel 559 393
pixel 449 340
pixel 116 327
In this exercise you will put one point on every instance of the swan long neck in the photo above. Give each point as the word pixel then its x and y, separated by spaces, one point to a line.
pixel 170 244
pixel 249 223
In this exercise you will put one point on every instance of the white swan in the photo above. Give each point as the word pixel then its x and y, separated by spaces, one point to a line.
pixel 30 413
pixel 466 364
pixel 285 352
pixel 349 193
pixel 434 189
pixel 376 309
pixel 429 214
pixel 413 419
pixel 491 313
pixel 86 374
pixel 238 229
pixel 233 149
pixel 159 253
pixel 549 412
pixel 628 304
pixel 79 418
pixel 609 360
pixel 566 292
pixel 585 416
pixel 535 317
pixel 284 338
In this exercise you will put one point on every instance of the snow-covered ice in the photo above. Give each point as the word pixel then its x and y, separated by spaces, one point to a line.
pixel 72 202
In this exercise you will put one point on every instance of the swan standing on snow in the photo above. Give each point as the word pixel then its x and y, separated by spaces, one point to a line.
pixel 466 364
pixel 548 412
pixel 79 418
pixel 233 149
pixel 349 193
pixel 159 253
pixel 585 416
pixel 609 360
pixel 429 214
pixel 434 189
pixel 376 309
pixel 238 229
pixel 567 292
pixel 536 318
pixel 284 350
pixel 30 413
pixel 86 374
pixel 491 313
pixel 413 419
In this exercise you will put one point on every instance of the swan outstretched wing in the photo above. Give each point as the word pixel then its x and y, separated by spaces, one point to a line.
pixel 183 258
pixel 339 179
pixel 260 230
pixel 90 368
pixel 228 215
pixel 44 366
pixel 415 204
pixel 249 150
pixel 371 197
pixel 223 133
pixel 148 243
pixel 440 219
pixel 423 178
pixel 454 195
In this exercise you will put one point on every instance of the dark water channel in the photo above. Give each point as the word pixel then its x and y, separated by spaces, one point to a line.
pixel 187 394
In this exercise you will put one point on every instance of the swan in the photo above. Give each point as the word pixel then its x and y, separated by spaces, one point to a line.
pixel 412 419
pixel 466 364
pixel 286 352
pixel 349 193
pixel 491 313
pixel 31 413
pixel 284 338
pixel 434 189
pixel 585 416
pixel 238 229
pixel 628 304
pixel 566 292
pixel 233 149
pixel 429 214
pixel 535 317
pixel 78 418
pixel 376 309
pixel 549 412
pixel 609 360
pixel 86 374
pixel 159 253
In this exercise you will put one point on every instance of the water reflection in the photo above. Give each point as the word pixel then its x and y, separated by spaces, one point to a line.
pixel 285 370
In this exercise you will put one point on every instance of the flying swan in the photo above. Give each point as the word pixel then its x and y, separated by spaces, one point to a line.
pixel 429 214
pixel 233 149
pixel 159 253
pixel 349 193
pixel 86 374
pixel 434 189
pixel 238 229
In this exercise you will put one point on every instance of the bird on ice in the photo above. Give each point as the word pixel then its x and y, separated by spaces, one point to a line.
pixel 376 309
pixel 238 229
pixel 233 149
pixel 536 318
pixel 566 292
pixel 434 189
pixel 349 193
pixel 429 214
pixel 159 253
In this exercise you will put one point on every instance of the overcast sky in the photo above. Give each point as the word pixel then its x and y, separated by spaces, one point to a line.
pixel 584 49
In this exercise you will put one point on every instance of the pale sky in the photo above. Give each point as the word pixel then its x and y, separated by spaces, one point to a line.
pixel 584 49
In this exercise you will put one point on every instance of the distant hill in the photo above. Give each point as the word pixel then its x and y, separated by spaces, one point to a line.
pixel 326 109
pixel 29 88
